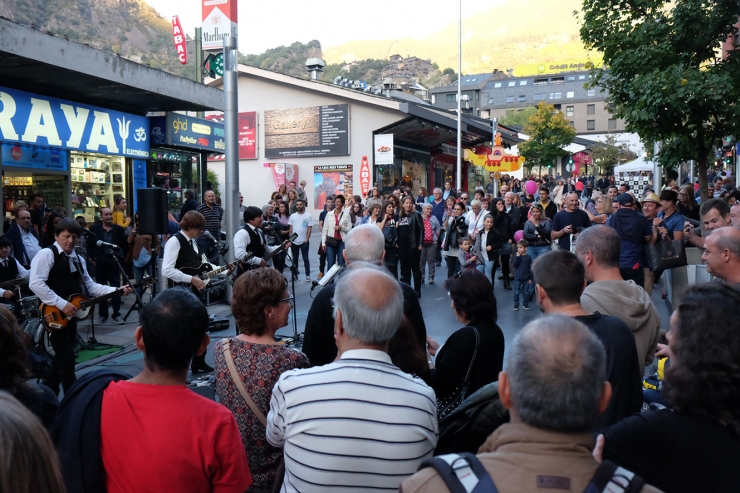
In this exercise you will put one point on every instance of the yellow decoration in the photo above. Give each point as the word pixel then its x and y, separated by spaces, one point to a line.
pixel 496 160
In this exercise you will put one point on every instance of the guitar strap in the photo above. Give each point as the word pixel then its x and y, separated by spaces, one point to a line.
pixel 80 269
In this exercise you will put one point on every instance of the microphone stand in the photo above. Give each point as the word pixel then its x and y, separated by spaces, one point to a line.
pixel 109 252
pixel 296 336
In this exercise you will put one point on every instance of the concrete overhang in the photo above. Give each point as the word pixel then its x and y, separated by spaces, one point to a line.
pixel 41 63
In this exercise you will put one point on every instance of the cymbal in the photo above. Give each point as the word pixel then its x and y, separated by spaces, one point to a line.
pixel 13 283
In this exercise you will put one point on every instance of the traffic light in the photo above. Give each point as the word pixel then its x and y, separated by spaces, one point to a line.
pixel 549 165
pixel 570 159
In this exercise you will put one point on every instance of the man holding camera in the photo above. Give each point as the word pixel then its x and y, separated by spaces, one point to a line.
pixel 567 222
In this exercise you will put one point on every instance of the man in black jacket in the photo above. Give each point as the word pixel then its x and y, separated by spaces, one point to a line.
pixel 106 268
pixel 190 203
pixel 364 243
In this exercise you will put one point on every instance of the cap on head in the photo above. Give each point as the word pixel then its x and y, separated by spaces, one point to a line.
pixel 625 200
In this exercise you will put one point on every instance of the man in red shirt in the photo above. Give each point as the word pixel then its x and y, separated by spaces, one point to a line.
pixel 155 433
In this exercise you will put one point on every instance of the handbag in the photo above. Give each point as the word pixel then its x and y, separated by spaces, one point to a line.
pixel 505 249
pixel 277 486
pixel 449 404
pixel 333 241
pixel 144 258
pixel 668 254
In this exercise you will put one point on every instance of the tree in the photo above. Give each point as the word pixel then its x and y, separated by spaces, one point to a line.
pixel 663 73
pixel 215 185
pixel 548 133
pixel 515 117
pixel 611 152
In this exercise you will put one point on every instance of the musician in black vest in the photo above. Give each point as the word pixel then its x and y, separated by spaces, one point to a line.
pixel 251 239
pixel 10 269
pixel 181 252
pixel 56 274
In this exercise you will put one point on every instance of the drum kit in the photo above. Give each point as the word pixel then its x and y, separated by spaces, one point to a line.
pixel 29 308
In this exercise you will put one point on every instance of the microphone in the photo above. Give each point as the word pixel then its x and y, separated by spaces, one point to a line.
pixel 101 243
pixel 209 235
pixel 327 277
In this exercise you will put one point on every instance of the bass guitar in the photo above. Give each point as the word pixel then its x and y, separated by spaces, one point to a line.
pixel 268 256
pixel 55 319
pixel 206 271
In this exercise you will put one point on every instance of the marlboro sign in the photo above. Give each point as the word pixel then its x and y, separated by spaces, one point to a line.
pixel 179 38
pixel 219 20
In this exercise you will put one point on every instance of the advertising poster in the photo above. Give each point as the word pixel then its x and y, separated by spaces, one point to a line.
pixel 283 173
pixel 248 135
pixel 219 20
pixel 307 132
pixel 331 180
pixel 364 177
pixel 384 149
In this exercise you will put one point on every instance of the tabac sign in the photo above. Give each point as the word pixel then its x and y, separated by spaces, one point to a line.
pixel 50 122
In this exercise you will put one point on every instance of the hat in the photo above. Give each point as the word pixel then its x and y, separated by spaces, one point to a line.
pixel 625 199
pixel 669 195
pixel 651 197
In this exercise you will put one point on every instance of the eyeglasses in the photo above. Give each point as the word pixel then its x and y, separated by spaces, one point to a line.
pixel 290 299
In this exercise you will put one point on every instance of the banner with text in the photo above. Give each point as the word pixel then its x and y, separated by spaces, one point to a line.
pixel 331 179
pixel 219 20
pixel 307 132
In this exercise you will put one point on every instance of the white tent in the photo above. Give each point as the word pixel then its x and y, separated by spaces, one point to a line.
pixel 635 166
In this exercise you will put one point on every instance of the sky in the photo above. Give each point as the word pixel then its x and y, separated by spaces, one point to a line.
pixel 269 24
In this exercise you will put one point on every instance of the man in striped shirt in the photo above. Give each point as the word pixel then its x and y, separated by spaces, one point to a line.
pixel 213 214
pixel 360 423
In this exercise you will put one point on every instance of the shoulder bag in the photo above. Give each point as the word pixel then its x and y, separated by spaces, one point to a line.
pixel 449 404
pixel 333 241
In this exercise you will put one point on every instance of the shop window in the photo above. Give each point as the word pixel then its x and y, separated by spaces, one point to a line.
pixel 569 110
pixel 590 124
pixel 590 109
pixel 97 179
pixel 612 124
pixel 175 172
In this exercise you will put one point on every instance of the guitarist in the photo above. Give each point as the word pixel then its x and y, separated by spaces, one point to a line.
pixel 56 274
pixel 251 239
pixel 181 252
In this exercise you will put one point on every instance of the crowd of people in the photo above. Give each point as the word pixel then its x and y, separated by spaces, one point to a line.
pixel 370 398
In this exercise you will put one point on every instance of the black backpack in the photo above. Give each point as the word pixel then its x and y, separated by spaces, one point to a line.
pixel 464 473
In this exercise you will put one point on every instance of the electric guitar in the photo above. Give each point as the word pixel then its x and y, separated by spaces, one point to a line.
pixel 55 319
pixel 206 271
pixel 279 249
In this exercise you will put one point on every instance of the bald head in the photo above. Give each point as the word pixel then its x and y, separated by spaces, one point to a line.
pixel 556 374
pixel 726 238
pixel 735 215
pixel 370 302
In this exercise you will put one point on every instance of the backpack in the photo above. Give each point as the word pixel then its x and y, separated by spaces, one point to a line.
pixel 464 473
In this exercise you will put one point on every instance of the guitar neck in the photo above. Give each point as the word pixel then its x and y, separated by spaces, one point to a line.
pixel 280 248
pixel 113 294
pixel 218 270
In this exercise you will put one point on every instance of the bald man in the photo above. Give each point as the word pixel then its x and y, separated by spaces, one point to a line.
pixel 722 255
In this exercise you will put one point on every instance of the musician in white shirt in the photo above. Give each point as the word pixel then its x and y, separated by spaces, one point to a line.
pixel 191 226
pixel 251 240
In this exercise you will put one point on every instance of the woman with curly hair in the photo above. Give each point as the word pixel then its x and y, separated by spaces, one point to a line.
pixel 14 371
pixel 261 305
pixel 696 445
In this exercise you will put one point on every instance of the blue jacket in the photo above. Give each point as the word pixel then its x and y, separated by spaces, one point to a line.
pixel 19 250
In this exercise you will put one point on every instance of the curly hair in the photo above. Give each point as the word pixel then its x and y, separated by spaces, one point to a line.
pixel 472 294
pixel 254 291
pixel 13 354
pixel 704 377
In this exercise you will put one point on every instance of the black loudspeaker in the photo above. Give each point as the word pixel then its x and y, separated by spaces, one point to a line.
pixel 152 204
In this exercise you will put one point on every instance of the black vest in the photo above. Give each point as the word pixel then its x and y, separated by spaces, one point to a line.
pixel 255 243
pixel 187 256
pixel 10 272
pixel 62 280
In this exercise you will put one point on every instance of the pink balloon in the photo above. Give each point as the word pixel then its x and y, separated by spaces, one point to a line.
pixel 531 187
pixel 518 235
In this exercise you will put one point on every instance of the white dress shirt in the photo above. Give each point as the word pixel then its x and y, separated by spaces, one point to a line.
pixel 475 222
pixel 171 252
pixel 41 266
pixel 22 272
pixel 29 242
pixel 241 242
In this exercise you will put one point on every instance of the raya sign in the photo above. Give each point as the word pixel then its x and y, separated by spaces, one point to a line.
pixel 179 39
pixel 51 122
pixel 219 20
pixel 331 179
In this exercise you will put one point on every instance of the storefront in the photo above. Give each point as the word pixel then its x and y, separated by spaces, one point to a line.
pixel 177 162
pixel 79 156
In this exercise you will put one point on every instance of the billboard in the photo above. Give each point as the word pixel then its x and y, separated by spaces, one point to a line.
pixel 384 149
pixel 179 38
pixel 187 131
pixel 331 179
pixel 283 173
pixel 316 131
pixel 247 128
pixel 219 20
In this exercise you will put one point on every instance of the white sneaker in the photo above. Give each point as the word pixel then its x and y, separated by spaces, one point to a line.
pixel 308 278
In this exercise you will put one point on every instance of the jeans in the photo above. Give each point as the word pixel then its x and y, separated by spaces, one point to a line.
pixel 303 248
pixel 526 289
pixel 63 365
pixel 410 265
pixel 490 271
pixel 209 249
pixel 536 251
pixel 637 275
pixel 428 256
pixel 139 275
pixel 452 266
pixel 391 261
pixel 334 255
pixel 107 272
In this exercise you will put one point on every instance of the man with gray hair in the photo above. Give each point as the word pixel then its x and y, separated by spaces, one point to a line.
pixel 554 387
pixel 722 255
pixel 598 248
pixel 364 243
pixel 438 211
pixel 360 421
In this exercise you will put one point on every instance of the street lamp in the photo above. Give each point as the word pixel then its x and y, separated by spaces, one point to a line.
pixel 459 96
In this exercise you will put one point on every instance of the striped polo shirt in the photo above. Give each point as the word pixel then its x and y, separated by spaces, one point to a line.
pixel 359 424
pixel 213 219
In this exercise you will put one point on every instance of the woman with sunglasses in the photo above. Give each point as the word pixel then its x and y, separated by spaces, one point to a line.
pixel 261 305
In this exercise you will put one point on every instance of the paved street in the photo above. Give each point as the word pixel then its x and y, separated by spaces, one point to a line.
pixel 435 303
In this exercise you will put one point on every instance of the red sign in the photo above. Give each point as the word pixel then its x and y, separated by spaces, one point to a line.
pixel 179 39
pixel 364 176
pixel 248 135
pixel 16 153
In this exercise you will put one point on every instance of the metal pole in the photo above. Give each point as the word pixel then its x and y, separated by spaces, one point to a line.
pixel 691 171
pixel 231 188
pixel 657 177
pixel 199 61
pixel 493 143
pixel 459 98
